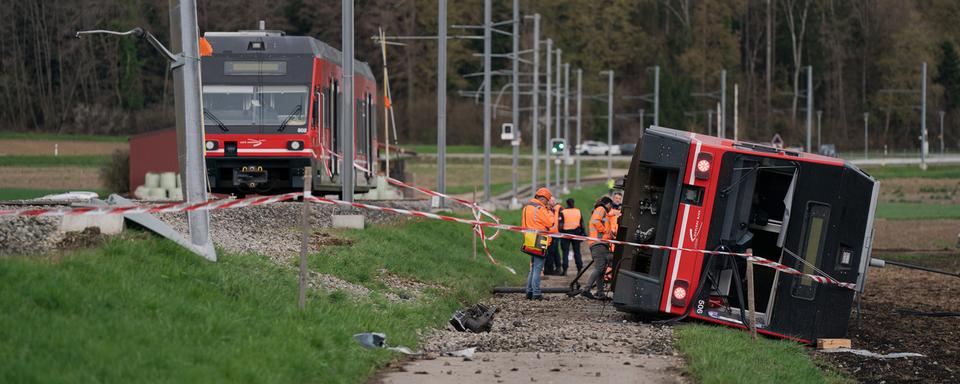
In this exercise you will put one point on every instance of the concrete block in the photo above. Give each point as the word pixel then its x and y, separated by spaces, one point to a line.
pixel 348 221
pixel 108 224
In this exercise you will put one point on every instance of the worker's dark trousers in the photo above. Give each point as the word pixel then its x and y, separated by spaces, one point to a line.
pixel 553 257
pixel 601 258
pixel 565 246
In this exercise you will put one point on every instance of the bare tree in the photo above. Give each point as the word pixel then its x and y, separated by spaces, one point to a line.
pixel 796 14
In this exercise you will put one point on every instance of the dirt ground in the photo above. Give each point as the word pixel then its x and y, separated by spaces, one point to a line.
pixel 933 191
pixel 65 148
pixel 897 235
pixel 881 329
pixel 558 340
pixel 74 178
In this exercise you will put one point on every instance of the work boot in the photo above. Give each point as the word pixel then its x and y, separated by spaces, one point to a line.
pixel 564 273
pixel 587 294
pixel 538 298
pixel 529 296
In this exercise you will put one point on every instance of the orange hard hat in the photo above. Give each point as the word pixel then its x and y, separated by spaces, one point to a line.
pixel 543 191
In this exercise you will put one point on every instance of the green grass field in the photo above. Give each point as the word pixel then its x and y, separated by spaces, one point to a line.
pixel 918 211
pixel 54 161
pixel 723 355
pixel 912 171
pixel 57 136
pixel 459 149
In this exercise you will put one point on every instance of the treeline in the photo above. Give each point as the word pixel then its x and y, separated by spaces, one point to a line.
pixel 866 57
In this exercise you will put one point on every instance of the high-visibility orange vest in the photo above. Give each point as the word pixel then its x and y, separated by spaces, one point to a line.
pixel 537 216
pixel 614 220
pixel 599 225
pixel 571 218
pixel 556 219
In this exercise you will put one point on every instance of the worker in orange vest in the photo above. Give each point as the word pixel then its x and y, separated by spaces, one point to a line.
pixel 537 214
pixel 552 265
pixel 614 215
pixel 602 256
pixel 571 222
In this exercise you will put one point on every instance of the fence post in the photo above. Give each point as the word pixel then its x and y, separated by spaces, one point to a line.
pixel 750 298
pixel 474 235
pixel 305 228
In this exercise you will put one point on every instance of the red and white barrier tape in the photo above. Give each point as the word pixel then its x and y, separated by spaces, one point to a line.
pixel 253 201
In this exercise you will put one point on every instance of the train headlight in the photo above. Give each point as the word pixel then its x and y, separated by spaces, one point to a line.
pixel 704 163
pixel 211 145
pixel 680 293
pixel 295 145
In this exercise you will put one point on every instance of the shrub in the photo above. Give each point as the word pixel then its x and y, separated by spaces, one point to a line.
pixel 115 173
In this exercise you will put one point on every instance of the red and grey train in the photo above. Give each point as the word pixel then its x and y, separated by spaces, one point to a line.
pixel 271 106
pixel 809 212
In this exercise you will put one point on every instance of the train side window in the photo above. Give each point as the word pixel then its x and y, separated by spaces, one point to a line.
pixel 326 107
pixel 814 233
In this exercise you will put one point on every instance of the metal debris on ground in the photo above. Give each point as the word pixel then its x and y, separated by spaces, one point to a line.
pixel 476 319
pixel 374 340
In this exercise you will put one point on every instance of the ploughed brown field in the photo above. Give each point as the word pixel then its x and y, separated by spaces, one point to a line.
pixel 65 147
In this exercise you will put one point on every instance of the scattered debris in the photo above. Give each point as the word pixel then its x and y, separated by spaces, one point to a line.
pixel 373 340
pixel 866 353
pixel 464 353
pixel 476 319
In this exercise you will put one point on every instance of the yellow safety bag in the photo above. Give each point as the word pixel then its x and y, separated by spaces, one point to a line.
pixel 534 244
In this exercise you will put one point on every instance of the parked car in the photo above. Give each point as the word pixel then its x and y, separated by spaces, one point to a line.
pixel 596 148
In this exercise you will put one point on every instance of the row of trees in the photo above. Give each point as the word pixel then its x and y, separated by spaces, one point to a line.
pixel 53 82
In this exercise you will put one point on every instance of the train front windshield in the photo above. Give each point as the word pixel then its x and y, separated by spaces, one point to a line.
pixel 255 106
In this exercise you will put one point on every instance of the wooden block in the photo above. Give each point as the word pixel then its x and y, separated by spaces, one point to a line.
pixel 833 343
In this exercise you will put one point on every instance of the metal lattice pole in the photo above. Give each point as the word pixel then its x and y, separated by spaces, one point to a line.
pixel 810 109
pixel 515 110
pixel 548 93
pixel 487 47
pixel 442 98
pixel 566 126
pixel 559 112
pixel 722 127
pixel 535 118
pixel 656 97
pixel 609 124
pixel 579 119
pixel 923 116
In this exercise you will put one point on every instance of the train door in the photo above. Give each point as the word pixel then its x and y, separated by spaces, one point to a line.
pixel 334 131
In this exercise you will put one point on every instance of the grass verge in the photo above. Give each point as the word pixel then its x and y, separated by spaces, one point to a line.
pixel 63 137
pixel 459 149
pixel 54 161
pixel 921 211
pixel 723 355
pixel 913 171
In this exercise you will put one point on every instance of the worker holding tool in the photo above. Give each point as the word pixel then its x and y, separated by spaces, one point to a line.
pixel 571 222
pixel 602 256
pixel 537 214
pixel 553 263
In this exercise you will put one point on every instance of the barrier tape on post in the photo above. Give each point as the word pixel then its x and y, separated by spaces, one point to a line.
pixel 255 201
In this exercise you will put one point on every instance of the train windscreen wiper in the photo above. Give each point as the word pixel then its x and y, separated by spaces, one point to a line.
pixel 296 110
pixel 207 113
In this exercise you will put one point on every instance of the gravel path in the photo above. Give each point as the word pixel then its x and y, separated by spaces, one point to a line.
pixel 557 340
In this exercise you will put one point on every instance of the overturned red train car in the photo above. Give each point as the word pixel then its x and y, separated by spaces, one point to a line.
pixel 271 106
pixel 809 212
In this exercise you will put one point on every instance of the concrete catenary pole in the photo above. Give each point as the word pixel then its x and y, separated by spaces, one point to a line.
pixel 566 127
pixel 579 117
pixel 188 101
pixel 442 98
pixel 819 120
pixel 923 116
pixel 609 123
pixel 722 127
pixel 866 135
pixel 559 112
pixel 548 92
pixel 656 98
pixel 535 119
pixel 809 109
pixel 515 109
pixel 347 109
pixel 736 114
pixel 487 47
pixel 941 132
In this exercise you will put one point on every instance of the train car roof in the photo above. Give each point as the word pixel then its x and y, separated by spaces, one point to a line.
pixel 765 149
pixel 277 43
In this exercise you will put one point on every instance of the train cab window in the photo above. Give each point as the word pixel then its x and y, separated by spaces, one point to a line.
pixel 815 231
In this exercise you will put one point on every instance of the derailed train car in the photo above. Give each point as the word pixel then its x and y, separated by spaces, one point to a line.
pixel 809 212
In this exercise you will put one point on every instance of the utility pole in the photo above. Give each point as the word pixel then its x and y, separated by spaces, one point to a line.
pixel 515 109
pixel 487 47
pixel 819 115
pixel 866 135
pixel 579 117
pixel 609 123
pixel 656 98
pixel 548 115
pixel 736 100
pixel 441 99
pixel 535 119
pixel 723 104
pixel 188 100
pixel 809 108
pixel 941 132
pixel 559 90
pixel 566 127
pixel 923 116
pixel 641 112
pixel 710 122
pixel 347 109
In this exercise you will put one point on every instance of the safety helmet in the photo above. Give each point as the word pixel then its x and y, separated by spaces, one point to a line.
pixel 543 191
